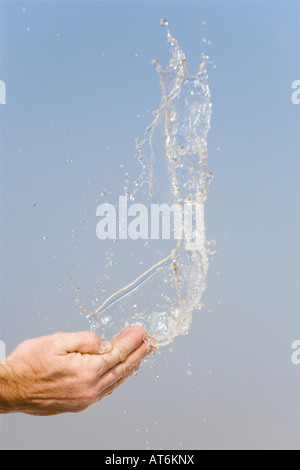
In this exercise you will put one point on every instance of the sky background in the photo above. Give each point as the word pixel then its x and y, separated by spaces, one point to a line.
pixel 81 87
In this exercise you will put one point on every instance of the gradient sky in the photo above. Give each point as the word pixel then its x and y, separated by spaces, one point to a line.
pixel 80 86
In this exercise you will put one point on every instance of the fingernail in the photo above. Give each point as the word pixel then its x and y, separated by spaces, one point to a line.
pixel 106 347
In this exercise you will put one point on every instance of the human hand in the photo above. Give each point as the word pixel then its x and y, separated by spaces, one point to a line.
pixel 69 372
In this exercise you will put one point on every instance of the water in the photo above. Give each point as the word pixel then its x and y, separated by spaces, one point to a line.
pixel 122 293
pixel 173 158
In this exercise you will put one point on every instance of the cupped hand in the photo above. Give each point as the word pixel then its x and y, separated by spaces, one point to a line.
pixel 69 372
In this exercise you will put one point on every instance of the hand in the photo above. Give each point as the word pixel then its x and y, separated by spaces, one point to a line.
pixel 69 372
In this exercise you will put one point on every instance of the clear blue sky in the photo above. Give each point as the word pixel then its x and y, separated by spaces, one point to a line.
pixel 80 86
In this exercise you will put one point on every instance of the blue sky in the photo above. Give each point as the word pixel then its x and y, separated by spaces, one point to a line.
pixel 81 87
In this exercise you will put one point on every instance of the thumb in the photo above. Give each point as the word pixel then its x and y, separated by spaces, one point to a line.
pixel 85 342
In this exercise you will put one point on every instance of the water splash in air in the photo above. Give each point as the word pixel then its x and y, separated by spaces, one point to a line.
pixel 173 156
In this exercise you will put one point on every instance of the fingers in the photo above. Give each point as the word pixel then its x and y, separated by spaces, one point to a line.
pixel 85 342
pixel 111 388
pixel 131 340
pixel 108 371
pixel 121 369
pixel 124 367
pixel 124 344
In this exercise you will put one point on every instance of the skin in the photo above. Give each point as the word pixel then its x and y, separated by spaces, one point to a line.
pixel 69 372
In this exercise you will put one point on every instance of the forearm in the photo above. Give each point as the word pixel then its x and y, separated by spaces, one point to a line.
pixel 8 387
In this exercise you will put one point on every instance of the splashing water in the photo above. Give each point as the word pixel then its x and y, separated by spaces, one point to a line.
pixel 173 156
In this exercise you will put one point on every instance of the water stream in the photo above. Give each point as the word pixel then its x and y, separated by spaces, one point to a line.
pixel 173 155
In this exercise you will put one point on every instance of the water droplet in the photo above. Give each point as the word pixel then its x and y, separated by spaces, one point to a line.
pixel 206 41
pixel 164 22
pixel 110 263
